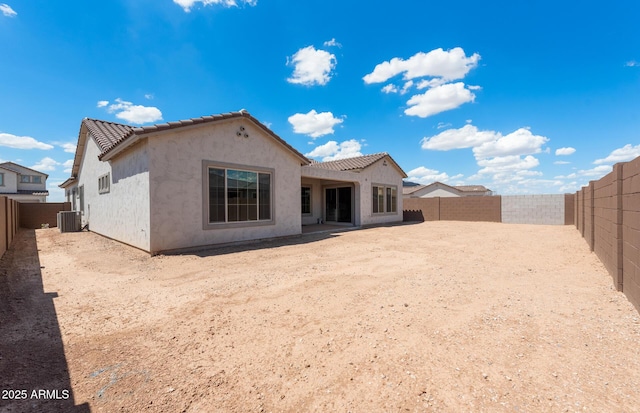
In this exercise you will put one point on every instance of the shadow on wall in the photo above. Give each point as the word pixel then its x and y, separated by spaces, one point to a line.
pixel 32 360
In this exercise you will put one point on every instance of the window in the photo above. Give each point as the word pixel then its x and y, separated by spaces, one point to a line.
pixel 306 200
pixel 36 179
pixel 1 179
pixel 385 199
pixel 104 183
pixel 236 195
pixel 25 179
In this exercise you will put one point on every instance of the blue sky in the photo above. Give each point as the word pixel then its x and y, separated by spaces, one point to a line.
pixel 519 96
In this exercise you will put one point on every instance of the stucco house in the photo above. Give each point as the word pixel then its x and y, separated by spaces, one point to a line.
pixel 438 189
pixel 218 179
pixel 22 184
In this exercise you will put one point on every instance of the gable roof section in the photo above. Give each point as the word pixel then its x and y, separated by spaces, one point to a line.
pixel 472 188
pixel 14 167
pixel 110 136
pixel 356 163
pixel 436 184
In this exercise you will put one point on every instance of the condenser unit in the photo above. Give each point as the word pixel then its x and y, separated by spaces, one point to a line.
pixel 69 221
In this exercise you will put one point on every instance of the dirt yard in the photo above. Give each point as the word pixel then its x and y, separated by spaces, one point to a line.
pixel 438 316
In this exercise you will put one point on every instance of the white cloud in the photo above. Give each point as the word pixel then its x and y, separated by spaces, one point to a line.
pixel 22 142
pixel 439 99
pixel 149 96
pixel 68 165
pixel 332 151
pixel 426 176
pixel 565 151
pixel 632 63
pixel 45 164
pixel 448 65
pixel 520 142
pixel 7 10
pixel 188 4
pixel 133 113
pixel 594 173
pixel 510 163
pixel 102 103
pixel 331 43
pixel 626 153
pixel 466 137
pixel 312 67
pixel 561 163
pixel 313 123
pixel 390 89
pixel 68 147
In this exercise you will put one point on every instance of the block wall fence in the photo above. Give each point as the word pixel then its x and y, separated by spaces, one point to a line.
pixel 607 214
pixel 15 215
pixel 9 222
pixel 516 209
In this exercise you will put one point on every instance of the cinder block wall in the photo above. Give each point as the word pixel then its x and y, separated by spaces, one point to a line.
pixel 33 215
pixel 477 208
pixel 472 208
pixel 608 217
pixel 9 218
pixel 569 209
pixel 534 209
pixel 430 207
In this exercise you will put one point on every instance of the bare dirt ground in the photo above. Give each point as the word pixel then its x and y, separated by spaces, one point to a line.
pixel 438 316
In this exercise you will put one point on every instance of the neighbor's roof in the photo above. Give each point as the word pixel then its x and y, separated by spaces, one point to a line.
pixel 355 163
pixel 26 192
pixel 472 188
pixel 11 166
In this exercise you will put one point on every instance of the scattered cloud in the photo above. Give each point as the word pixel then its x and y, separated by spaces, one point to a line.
pixel 632 63
pixel 626 153
pixel 594 173
pixel 466 137
pixel 520 142
pixel 561 163
pixel 331 43
pixel 448 65
pixel 332 151
pixel 149 96
pixel 68 147
pixel 22 142
pixel 46 164
pixel 68 165
pixel 425 176
pixel 565 151
pixel 7 10
pixel 311 66
pixel 432 71
pixel 188 4
pixel 313 123
pixel 439 99
pixel 131 113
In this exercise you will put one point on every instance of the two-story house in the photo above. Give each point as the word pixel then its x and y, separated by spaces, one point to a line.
pixel 22 184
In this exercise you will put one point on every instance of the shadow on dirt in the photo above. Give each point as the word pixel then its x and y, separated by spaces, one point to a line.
pixel 34 374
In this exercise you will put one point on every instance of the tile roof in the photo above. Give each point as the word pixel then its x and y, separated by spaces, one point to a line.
pixel 351 164
pixel 110 135
pixel 11 166
pixel 471 188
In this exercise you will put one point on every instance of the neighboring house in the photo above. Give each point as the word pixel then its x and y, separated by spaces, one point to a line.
pixel 217 179
pixel 22 184
pixel 438 189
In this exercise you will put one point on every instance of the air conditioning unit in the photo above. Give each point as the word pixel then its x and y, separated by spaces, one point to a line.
pixel 69 221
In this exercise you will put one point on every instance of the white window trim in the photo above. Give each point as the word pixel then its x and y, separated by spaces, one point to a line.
pixel 104 183
pixel 310 200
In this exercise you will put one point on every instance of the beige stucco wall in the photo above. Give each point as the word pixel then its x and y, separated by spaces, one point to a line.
pixel 380 174
pixel 10 182
pixel 176 179
pixel 362 183
pixel 123 212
